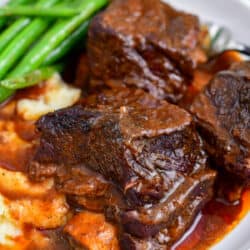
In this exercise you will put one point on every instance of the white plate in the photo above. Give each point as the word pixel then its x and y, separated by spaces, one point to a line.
pixel 234 14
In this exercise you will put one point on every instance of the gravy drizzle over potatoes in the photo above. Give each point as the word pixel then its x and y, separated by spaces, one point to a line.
pixel 22 202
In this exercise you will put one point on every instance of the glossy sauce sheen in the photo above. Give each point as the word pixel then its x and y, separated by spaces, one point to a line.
pixel 215 220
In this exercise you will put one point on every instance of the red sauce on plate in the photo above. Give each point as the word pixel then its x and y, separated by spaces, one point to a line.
pixel 214 222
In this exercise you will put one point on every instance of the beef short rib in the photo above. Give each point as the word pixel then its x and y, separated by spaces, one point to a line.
pixel 141 164
pixel 147 44
pixel 223 116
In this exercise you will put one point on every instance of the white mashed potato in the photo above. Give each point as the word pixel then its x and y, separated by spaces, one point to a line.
pixel 9 228
pixel 23 202
pixel 57 95
pixel 37 205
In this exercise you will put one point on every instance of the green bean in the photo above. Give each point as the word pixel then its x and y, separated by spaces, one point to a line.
pixel 5 94
pixel 13 3
pixel 31 78
pixel 10 33
pixel 55 36
pixel 19 45
pixel 39 11
pixel 67 44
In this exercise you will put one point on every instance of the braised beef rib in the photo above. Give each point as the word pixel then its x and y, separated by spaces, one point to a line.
pixel 146 44
pixel 222 111
pixel 146 164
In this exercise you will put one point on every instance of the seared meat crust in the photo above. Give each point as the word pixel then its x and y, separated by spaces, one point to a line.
pixel 145 44
pixel 145 164
pixel 222 111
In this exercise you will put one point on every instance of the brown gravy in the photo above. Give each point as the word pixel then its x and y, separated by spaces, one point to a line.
pixel 215 220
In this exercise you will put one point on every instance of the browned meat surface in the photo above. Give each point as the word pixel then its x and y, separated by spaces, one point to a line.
pixel 141 164
pixel 167 236
pixel 223 115
pixel 82 74
pixel 147 44
pixel 121 97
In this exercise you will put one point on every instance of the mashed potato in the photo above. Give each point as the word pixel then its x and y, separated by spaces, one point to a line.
pixel 57 95
pixel 9 228
pixel 23 202
pixel 37 205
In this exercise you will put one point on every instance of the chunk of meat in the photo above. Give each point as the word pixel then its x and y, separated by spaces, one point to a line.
pixel 147 158
pixel 223 117
pixel 92 231
pixel 121 97
pixel 145 44
pixel 82 74
pixel 87 182
pixel 139 142
pixel 190 195
pixel 165 238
